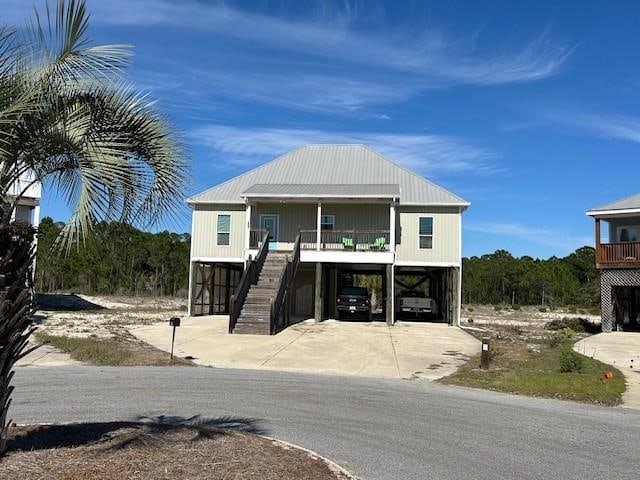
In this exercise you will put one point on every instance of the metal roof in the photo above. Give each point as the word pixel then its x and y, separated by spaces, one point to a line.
pixel 332 165
pixel 318 190
pixel 630 204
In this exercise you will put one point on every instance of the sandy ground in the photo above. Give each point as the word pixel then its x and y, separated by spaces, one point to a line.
pixel 76 315
pixel 529 317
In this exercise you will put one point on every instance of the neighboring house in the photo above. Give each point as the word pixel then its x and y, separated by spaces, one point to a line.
pixel 27 208
pixel 619 262
pixel 331 211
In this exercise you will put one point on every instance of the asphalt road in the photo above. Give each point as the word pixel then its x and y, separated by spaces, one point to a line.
pixel 379 429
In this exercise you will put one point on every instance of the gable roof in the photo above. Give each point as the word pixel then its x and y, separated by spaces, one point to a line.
pixel 629 204
pixel 333 165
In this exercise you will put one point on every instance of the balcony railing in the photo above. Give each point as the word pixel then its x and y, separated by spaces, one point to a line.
pixel 346 240
pixel 623 253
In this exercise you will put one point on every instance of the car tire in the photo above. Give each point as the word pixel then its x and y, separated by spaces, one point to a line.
pixel 337 314
pixel 369 315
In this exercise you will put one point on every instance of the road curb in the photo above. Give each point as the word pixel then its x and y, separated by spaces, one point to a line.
pixel 330 463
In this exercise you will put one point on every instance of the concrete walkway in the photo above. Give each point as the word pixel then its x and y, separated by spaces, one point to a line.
pixel 621 350
pixel 406 350
pixel 46 356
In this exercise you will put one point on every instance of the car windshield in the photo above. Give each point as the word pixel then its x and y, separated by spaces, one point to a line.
pixel 413 293
pixel 355 291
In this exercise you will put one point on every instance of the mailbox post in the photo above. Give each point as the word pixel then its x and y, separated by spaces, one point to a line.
pixel 173 322
pixel 486 353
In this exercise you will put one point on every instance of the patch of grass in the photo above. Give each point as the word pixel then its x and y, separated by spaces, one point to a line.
pixel 516 306
pixel 115 351
pixel 551 373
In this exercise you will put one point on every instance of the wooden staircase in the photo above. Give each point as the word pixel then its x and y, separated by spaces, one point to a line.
pixel 261 303
pixel 255 316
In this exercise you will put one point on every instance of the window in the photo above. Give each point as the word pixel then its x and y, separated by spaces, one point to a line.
pixel 628 234
pixel 327 222
pixel 24 213
pixel 224 229
pixel 425 232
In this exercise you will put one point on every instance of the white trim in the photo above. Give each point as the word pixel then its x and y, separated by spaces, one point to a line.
pixel 426 215
pixel 392 227
pixel 229 233
pixel 314 256
pixel 318 226
pixel 247 240
pixel 240 201
pixel 190 296
pixel 218 259
pixel 625 211
pixel 413 263
pixel 317 196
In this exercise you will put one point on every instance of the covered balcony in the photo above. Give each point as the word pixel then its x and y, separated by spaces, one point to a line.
pixel 622 249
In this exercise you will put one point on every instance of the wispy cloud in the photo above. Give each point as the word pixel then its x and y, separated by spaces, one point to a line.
pixel 424 153
pixel 604 125
pixel 543 236
pixel 324 60
pixel 435 55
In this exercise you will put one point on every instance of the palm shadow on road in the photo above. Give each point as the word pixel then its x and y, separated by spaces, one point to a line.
pixel 118 434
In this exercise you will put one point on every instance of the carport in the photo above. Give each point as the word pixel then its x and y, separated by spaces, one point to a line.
pixel 337 276
pixel 438 283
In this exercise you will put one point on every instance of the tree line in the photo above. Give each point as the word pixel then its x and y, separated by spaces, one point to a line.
pixel 121 259
pixel 116 259
pixel 500 278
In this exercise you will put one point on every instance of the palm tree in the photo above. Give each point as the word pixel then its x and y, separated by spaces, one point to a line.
pixel 68 119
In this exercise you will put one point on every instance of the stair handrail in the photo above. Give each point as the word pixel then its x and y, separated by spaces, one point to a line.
pixel 249 277
pixel 285 283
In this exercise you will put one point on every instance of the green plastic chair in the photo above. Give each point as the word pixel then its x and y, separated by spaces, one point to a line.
pixel 379 243
pixel 347 243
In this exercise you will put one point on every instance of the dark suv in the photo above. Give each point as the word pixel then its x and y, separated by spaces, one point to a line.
pixel 353 300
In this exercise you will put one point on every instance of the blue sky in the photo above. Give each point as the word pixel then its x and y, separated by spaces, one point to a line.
pixel 529 110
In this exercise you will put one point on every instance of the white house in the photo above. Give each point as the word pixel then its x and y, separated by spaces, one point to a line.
pixel 331 211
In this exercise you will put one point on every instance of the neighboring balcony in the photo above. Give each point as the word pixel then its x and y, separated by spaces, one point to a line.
pixel 622 254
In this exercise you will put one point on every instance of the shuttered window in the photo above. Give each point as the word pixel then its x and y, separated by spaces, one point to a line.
pixel 426 232
pixel 224 229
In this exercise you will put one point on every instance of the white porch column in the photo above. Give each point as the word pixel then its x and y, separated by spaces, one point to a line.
pixel 247 240
pixel 392 226
pixel 318 225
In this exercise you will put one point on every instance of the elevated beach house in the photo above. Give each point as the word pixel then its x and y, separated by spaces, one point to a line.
pixel 618 259
pixel 279 243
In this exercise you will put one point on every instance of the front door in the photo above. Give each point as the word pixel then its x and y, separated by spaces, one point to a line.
pixel 270 222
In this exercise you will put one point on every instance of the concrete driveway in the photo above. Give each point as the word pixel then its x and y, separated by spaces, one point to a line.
pixel 622 350
pixel 406 350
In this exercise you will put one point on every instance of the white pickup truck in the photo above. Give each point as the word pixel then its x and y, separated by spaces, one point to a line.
pixel 414 301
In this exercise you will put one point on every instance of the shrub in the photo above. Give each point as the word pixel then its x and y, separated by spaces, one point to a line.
pixel 516 306
pixel 497 308
pixel 570 361
pixel 470 320
pixel 594 311
pixel 572 309
pixel 542 310
pixel 576 324
pixel 470 309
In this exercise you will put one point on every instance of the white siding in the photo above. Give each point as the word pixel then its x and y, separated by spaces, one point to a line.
pixel 446 235
pixel 203 231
